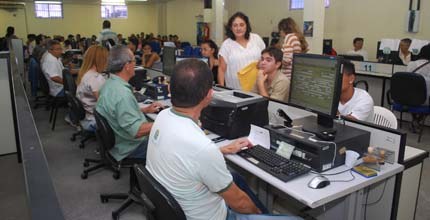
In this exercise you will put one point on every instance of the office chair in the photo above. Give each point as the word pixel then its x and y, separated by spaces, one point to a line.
pixel 364 82
pixel 408 93
pixel 197 52
pixel 185 44
pixel 106 140
pixel 45 99
pixel 78 112
pixel 188 51
pixel 69 86
pixel 158 202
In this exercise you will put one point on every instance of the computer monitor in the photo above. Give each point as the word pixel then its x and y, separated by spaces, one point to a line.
pixel 169 60
pixel 316 82
pixel 327 46
pixel 352 57
pixel 138 79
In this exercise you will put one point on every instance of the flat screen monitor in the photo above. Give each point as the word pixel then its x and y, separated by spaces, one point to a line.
pixel 316 83
pixel 169 60
pixel 327 46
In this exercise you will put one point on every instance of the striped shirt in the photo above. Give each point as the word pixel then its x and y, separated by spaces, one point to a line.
pixel 291 45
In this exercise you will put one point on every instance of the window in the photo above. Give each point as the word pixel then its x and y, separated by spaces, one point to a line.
pixel 114 9
pixel 48 9
pixel 300 4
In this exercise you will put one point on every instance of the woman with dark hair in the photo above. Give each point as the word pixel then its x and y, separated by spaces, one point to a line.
pixel 150 59
pixel 294 42
pixel 240 49
pixel 210 50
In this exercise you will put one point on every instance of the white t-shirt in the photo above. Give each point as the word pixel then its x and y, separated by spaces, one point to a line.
pixel 424 71
pixel 360 106
pixel 237 57
pixel 189 165
pixel 52 67
pixel 361 52
pixel 90 83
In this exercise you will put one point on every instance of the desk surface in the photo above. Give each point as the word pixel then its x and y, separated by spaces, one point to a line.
pixel 298 188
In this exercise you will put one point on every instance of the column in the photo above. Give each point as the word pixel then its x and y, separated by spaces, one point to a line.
pixel 314 11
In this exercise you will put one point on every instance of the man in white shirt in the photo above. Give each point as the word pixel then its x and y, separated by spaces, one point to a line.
pixel 358 48
pixel 107 33
pixel 354 103
pixel 187 163
pixel 52 68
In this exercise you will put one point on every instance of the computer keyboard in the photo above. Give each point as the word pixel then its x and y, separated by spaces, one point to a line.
pixel 140 97
pixel 280 167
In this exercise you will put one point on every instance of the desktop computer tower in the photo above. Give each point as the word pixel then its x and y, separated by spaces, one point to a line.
pixel 320 155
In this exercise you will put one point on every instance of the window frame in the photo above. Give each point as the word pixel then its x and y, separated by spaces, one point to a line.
pixel 48 3
pixel 113 7
pixel 326 2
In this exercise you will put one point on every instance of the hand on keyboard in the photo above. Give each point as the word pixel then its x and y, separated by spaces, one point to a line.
pixel 154 107
pixel 236 146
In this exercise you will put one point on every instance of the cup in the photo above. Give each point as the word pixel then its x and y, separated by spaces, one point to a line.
pixel 351 158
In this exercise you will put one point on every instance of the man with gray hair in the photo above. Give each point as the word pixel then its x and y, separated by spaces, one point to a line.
pixel 52 68
pixel 119 106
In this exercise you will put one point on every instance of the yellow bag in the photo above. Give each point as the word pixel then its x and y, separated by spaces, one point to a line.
pixel 248 76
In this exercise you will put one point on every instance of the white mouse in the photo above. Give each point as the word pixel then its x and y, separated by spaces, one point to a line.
pixel 319 182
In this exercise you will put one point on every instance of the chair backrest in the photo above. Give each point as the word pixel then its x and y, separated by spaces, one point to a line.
pixel 188 51
pixel 69 82
pixel 43 82
pixel 408 89
pixel 105 135
pixel 77 109
pixel 384 117
pixel 166 207
pixel 155 46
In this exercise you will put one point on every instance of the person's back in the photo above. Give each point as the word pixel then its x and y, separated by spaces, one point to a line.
pixel 422 66
pixel 107 34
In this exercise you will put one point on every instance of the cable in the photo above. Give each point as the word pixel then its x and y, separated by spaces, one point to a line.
pixel 380 196
pixel 330 174
pixel 344 181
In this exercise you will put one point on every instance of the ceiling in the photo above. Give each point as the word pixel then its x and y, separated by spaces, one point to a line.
pixel 92 2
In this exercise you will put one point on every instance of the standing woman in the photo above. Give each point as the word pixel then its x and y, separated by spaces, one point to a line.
pixel 240 49
pixel 210 50
pixel 294 42
pixel 90 80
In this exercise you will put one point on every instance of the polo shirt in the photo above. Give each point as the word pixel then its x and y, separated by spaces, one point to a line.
pixel 119 106
pixel 279 89
pixel 189 165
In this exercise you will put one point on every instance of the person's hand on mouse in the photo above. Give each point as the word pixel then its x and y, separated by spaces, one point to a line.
pixel 152 108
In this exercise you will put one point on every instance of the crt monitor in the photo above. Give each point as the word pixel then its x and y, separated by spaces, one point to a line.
pixel 138 79
pixel 316 83
pixel 169 60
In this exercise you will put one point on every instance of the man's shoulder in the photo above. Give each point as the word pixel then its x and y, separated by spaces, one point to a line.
pixel 362 95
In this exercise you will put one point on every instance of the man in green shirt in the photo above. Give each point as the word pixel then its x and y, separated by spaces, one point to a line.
pixel 119 106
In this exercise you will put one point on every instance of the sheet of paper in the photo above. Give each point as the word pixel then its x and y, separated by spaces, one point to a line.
pixel 393 44
pixel 285 149
pixel 260 136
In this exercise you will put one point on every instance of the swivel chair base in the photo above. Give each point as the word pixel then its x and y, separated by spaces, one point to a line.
pixel 99 163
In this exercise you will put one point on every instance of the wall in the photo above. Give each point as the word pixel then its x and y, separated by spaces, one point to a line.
pixel 15 19
pixel 181 18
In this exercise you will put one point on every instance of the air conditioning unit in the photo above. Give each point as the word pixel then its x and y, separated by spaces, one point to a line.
pixel 11 6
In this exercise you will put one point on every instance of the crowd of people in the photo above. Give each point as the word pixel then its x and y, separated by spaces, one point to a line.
pixel 194 171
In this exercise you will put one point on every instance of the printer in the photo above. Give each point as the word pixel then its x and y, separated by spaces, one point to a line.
pixel 156 91
pixel 231 113
pixel 319 155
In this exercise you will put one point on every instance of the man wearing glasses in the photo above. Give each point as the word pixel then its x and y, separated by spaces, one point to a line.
pixel 119 106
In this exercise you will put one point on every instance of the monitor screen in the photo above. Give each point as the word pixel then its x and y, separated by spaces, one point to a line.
pixel 316 83
pixel 169 60
pixel 327 46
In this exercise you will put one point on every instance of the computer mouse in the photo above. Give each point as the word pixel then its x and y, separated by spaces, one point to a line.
pixel 148 101
pixel 319 182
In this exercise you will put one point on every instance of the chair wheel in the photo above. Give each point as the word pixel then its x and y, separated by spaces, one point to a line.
pixel 115 216
pixel 84 175
pixel 116 175
pixel 86 164
pixel 81 145
pixel 73 138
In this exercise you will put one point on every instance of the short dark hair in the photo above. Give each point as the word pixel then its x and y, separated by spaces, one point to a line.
pixel 106 24
pixel 425 52
pixel 407 40
pixel 274 52
pixel 190 83
pixel 228 30
pixel 348 67
pixel 358 39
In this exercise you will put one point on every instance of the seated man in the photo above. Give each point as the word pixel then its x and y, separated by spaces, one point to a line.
pixel 187 163
pixel 354 103
pixel 404 56
pixel 52 68
pixel 358 49
pixel 270 80
pixel 119 106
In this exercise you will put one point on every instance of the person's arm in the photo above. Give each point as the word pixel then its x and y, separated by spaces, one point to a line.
pixel 154 57
pixel 235 146
pixel 144 129
pixel 222 67
pixel 239 201
pixel 261 79
pixel 154 107
pixel 57 79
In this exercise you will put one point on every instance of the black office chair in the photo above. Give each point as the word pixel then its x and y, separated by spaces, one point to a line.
pixel 158 202
pixel 408 93
pixel 363 83
pixel 45 99
pixel 78 113
pixel 106 140
pixel 55 104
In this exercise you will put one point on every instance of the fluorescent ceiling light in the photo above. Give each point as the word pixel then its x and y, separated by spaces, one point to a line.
pixel 47 2
pixel 113 2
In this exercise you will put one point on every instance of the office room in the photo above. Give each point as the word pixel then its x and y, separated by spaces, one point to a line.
pixel 49 181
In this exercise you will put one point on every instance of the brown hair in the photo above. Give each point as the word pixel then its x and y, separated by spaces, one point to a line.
pixel 97 56
pixel 288 25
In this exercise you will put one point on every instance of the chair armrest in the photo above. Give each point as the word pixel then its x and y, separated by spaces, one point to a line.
pixel 147 203
pixel 389 97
